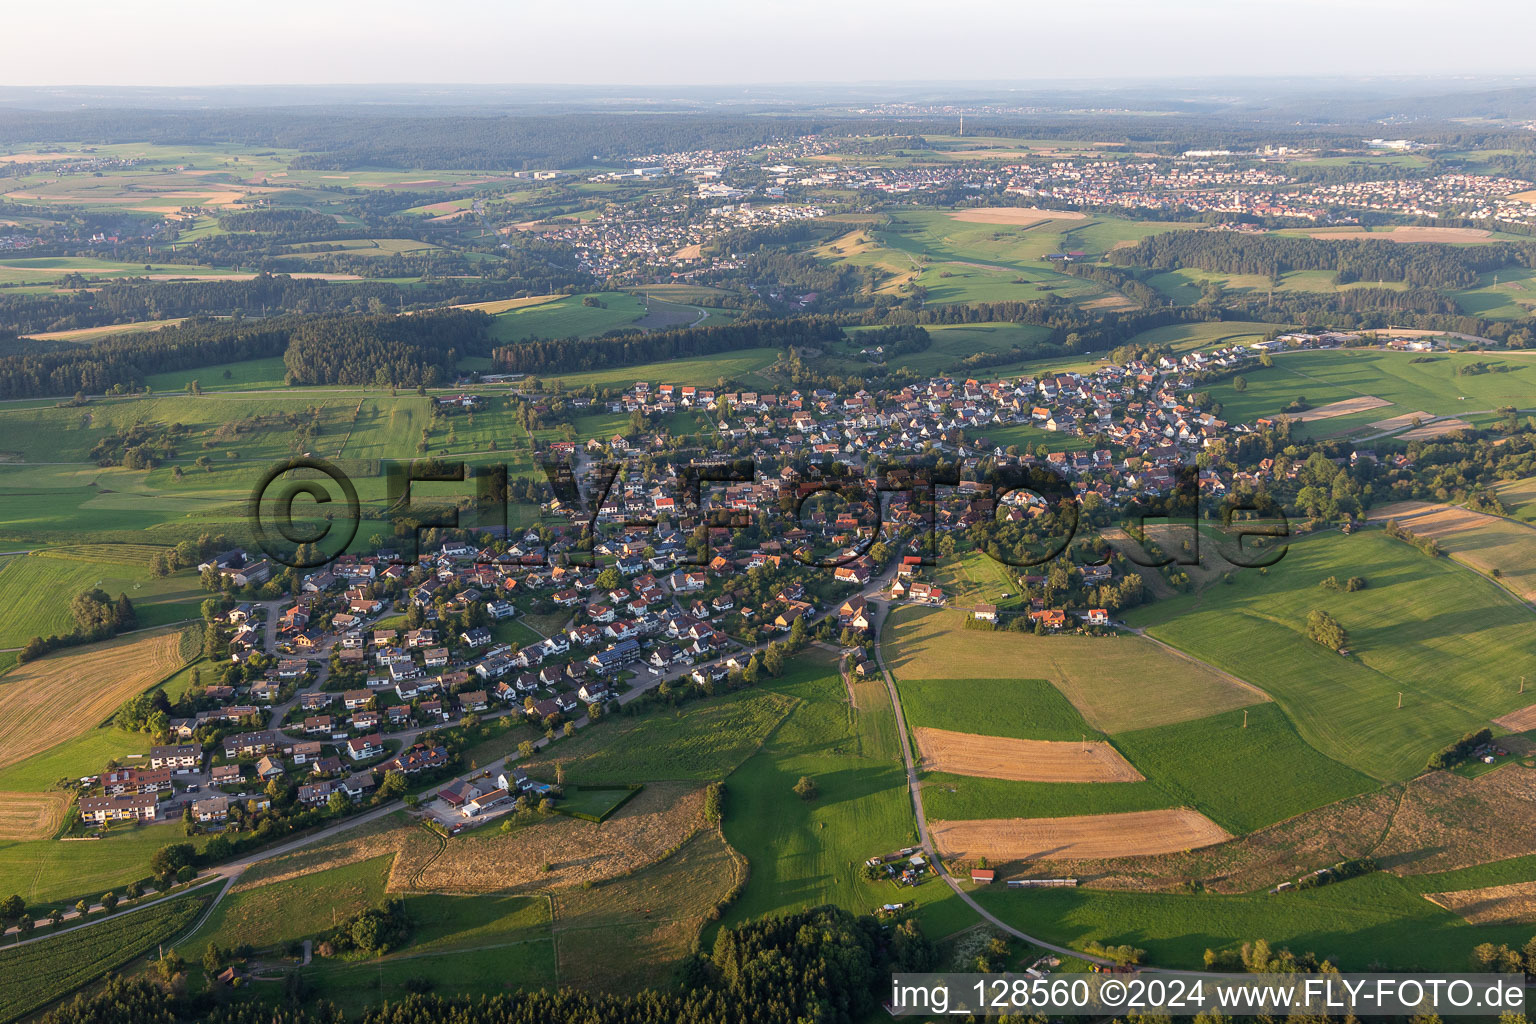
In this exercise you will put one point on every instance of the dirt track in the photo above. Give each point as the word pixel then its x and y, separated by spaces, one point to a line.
pixel 1002 757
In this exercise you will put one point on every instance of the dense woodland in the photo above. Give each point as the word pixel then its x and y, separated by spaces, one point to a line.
pixel 628 349
pixel 317 350
pixel 1425 265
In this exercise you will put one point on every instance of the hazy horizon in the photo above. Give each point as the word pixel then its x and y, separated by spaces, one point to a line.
pixel 683 43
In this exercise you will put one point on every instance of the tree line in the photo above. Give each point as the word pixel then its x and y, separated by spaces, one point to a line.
pixel 566 355
pixel 1425 265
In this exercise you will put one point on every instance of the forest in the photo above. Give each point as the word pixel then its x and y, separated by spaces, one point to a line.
pixel 567 355
pixel 1428 265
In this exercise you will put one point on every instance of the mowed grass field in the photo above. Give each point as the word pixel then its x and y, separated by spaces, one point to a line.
pixel 35 592
pixel 1452 643
pixel 1519 496
pixel 1412 383
pixel 1489 544
pixel 1117 684
pixel 1026 709
pixel 567 317
pixel 1376 919
pixel 49 872
pixel 62 695
pixel 279 912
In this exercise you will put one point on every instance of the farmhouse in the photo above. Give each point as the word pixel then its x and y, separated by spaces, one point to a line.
pixel 984 612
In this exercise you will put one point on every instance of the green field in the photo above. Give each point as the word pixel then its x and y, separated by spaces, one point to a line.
pixel 568 318
pixel 33 976
pixel 1453 644
pixel 806 852
pixel 280 912
pixel 1432 386
pixel 1519 496
pixel 86 754
pixel 1355 924
pixel 703 740
pixel 48 871
pixel 35 592
pixel 1028 709
pixel 1241 778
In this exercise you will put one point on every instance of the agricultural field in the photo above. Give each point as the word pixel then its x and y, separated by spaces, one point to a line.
pixel 1376 919
pixel 568 317
pixel 1520 498
pixel 1495 547
pixel 1117 683
pixel 806 852
pixel 35 591
pixel 1409 383
pixel 1429 633
pixel 53 872
pixel 35 975
pixel 91 681
pixel 1078 837
pixel 999 757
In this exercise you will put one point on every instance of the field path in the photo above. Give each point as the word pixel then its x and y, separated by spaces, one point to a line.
pixel 914 788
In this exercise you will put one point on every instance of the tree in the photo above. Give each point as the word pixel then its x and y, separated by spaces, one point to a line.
pixel 1239 383
pixel 806 788
pixel 609 579
pixel 12 907
pixel 109 902
pixel 337 803
pixel 1324 629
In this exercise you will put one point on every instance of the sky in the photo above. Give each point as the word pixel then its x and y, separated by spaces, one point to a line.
pixel 712 42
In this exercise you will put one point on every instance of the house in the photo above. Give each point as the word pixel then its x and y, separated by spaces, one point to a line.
pixel 983 876
pixel 1053 618
pixel 477 637
pixel 984 612
pixel 211 809
pixel 314 793
pixel 1098 617
pixel 474 700
pixel 268 768
pixel 181 758
pixel 305 751
pixel 929 592
pixel 135 780
pixel 227 775
pixel 363 747
pixel 98 810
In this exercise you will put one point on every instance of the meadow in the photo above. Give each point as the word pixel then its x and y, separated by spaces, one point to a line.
pixel 1241 769
pixel 568 317
pixel 1117 683
pixel 35 592
pixel 1030 709
pixel 807 852
pixel 1447 643
pixel 1375 919
pixel 701 741
pixel 268 916
pixel 1519 496
pixel 1412 383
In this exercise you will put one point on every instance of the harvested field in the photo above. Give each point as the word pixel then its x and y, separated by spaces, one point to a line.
pixel 31 815
pixel 1017 216
pixel 1496 904
pixel 1436 429
pixel 1409 233
pixel 1486 543
pixel 1364 403
pixel 1099 836
pixel 61 695
pixel 1436 822
pixel 689 252
pixel 1518 721
pixel 1002 757
pixel 1399 422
